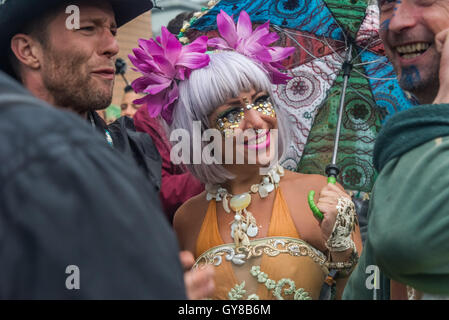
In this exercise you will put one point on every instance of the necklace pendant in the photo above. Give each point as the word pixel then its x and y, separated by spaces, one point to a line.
pixel 240 202
pixel 280 170
pixel 276 178
pixel 254 188
pixel 270 187
pixel 109 138
pixel 252 230
pixel 263 192
pixel 237 224
pixel 226 204
pixel 233 226
pixel 245 241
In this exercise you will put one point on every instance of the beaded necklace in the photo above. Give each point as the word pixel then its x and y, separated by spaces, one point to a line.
pixel 244 225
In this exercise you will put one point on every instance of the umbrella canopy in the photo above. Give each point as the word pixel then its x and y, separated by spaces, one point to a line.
pixel 323 31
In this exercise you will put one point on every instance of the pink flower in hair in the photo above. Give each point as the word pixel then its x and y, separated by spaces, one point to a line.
pixel 253 44
pixel 162 63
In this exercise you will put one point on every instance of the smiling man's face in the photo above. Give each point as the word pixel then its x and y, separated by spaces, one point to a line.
pixel 78 65
pixel 408 29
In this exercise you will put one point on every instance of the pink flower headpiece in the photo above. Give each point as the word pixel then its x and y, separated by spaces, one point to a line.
pixel 161 63
pixel 165 61
pixel 254 45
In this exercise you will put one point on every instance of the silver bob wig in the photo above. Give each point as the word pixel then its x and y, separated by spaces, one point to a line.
pixel 228 74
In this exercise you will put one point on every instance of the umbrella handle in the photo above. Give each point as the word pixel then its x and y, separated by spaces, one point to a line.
pixel 316 212
pixel 332 170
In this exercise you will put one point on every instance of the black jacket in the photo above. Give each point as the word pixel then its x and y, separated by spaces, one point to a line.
pixel 68 198
pixel 136 145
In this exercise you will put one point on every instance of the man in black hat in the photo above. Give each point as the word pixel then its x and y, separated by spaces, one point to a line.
pixel 73 68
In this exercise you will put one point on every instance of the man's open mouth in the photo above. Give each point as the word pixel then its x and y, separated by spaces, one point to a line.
pixel 413 50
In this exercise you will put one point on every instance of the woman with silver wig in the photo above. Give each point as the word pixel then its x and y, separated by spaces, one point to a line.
pixel 227 75
pixel 253 223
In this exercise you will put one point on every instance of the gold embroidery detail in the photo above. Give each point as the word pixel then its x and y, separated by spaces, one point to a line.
pixel 272 247
pixel 238 292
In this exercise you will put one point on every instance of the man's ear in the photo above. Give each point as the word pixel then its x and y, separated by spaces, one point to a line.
pixel 27 50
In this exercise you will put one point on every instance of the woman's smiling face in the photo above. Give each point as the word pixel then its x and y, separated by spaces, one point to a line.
pixel 247 121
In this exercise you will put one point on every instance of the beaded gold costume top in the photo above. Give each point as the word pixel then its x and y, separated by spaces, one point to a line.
pixel 279 266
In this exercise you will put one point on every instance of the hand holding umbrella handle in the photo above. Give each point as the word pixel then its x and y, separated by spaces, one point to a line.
pixel 332 172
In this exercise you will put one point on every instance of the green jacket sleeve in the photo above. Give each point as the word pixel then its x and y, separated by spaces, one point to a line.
pixel 361 284
pixel 408 228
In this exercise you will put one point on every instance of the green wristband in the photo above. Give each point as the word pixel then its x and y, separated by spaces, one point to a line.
pixel 316 212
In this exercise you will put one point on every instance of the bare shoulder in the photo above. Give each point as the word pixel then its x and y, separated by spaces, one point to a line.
pixel 296 187
pixel 190 212
pixel 299 182
pixel 188 220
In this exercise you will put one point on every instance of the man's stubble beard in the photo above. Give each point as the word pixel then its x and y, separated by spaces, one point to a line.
pixel 423 84
pixel 67 82
pixel 412 81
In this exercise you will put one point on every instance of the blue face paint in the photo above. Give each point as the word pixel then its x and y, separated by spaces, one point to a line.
pixel 410 78
pixel 398 2
pixel 385 25
pixel 383 2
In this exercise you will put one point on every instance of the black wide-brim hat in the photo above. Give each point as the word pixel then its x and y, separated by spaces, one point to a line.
pixel 16 13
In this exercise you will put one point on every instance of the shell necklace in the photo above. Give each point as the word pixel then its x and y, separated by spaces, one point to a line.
pixel 244 225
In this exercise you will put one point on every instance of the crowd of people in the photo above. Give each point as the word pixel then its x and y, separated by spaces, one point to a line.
pixel 110 201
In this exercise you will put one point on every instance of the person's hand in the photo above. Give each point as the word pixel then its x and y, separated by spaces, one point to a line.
pixel 199 283
pixel 442 46
pixel 327 203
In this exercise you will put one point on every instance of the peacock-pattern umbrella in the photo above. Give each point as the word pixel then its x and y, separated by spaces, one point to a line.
pixel 323 31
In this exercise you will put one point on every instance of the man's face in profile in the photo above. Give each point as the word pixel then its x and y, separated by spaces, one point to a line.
pixel 78 65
